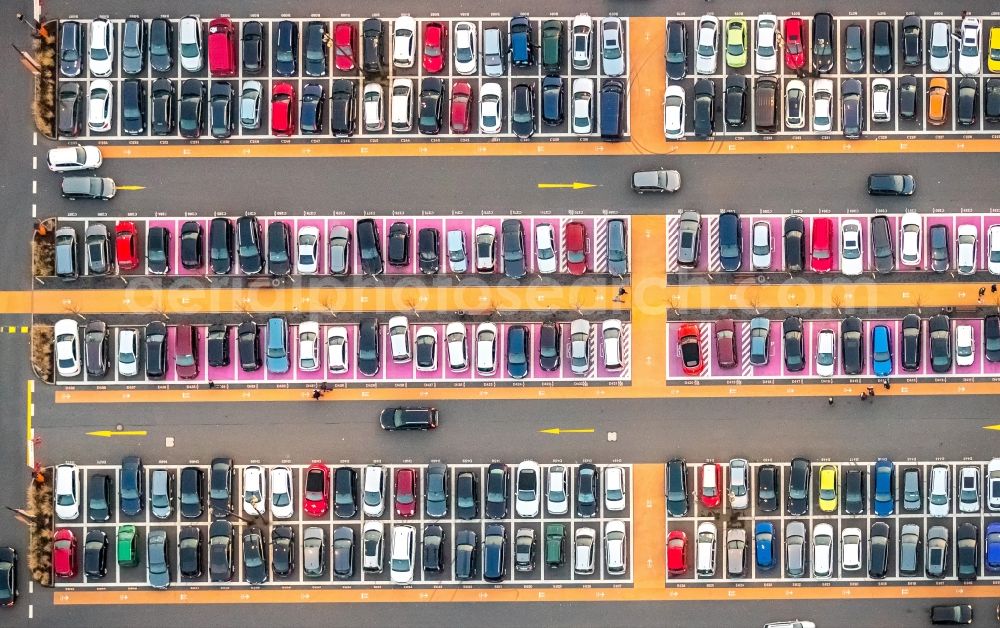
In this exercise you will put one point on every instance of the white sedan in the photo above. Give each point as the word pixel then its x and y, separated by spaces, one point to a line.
pixel 993 239
pixel 100 103
pixel 404 41
pixel 965 346
pixel 583 106
pixel 760 245
pixel 851 254
pixel 282 500
pixel 851 552
pixel 673 112
pixel 611 333
pixel 708 45
pixel 102 47
pixel 309 346
pixel 67 334
pixel 457 346
pixel 372 107
pixel 254 490
pixel 826 353
pixel 466 54
pixel 336 349
pixel 909 239
pixel 307 250
pixel 528 489
pixel 822 105
pixel 486 348
pixel 967 236
pixel 765 52
pixel 579 346
pixel 614 489
pixel 490 108
pixel 970 58
pixel 545 248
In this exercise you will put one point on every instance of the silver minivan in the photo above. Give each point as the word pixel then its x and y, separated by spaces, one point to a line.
pixel 493 52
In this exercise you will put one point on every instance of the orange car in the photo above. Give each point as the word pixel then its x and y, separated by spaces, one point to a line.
pixel 689 341
pixel 937 101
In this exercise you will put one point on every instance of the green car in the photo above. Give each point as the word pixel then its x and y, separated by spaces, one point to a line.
pixel 736 42
pixel 127 549
pixel 555 542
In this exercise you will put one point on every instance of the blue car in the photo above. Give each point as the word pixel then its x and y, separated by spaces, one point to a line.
pixel 883 498
pixel 993 546
pixel 764 540
pixel 881 351
pixel 277 345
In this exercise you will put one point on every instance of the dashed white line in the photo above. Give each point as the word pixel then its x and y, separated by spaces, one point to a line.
pixel 34 138
pixel 34 210
pixel 34 162
pixel 34 186
pixel 31 611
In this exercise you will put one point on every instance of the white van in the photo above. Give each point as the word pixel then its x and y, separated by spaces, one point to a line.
pixel 73 158
pixel 401 559
pixel 401 104
pixel 705 549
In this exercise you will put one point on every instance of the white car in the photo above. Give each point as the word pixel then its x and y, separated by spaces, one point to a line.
pixel 128 352
pixel 282 497
pixel 100 104
pixel 404 42
pixel 993 240
pixel 966 245
pixel 399 339
pixel 401 554
pixel 309 346
pixel 189 43
pixel 307 250
pixel 826 353
pixel 545 248
pixel 458 259
pixel 965 347
pixel 583 550
pixel 939 491
pixel 795 104
pixel 67 334
pixel 612 47
pixel 372 538
pixel 254 491
pixel 851 252
pixel 583 55
pixel 582 111
pixel 765 53
pixel 490 108
pixel 579 346
pixel 67 491
pixel 486 349
pixel 401 104
pixel 458 347
pixel 968 489
pixel 336 349
pixel 851 552
pixel 101 39
pixel 614 548
pixel 72 158
pixel 427 336
pixel 556 497
pixel 705 549
pixel 614 489
pixel 739 484
pixel 673 112
pixel 466 51
pixel 970 57
pixel 909 239
pixel 760 245
pixel 993 485
pixel 822 554
pixel 486 238
pixel 881 100
pixel 611 336
pixel 528 489
pixel 372 107
pixel 373 491
pixel 822 105
pixel 707 49
pixel 940 47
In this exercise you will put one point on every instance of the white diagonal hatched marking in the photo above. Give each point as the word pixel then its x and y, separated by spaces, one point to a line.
pixel 704 328
pixel 563 262
pixel 673 234
pixel 745 365
pixel 600 245
pixel 714 263
pixel 626 351
pixel 591 351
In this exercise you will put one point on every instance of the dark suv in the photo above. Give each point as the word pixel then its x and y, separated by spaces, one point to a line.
pixel 248 245
pixel 220 245
pixel 676 488
pixel 96 348
pixel 798 488
pixel 373 47
pixel 394 419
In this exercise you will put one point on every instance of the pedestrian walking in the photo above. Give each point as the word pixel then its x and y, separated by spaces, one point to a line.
pixel 211 384
pixel 864 396
pixel 887 385
pixel 982 292
pixel 829 401
pixel 993 289
pixel 871 391
pixel 324 387
pixel 316 394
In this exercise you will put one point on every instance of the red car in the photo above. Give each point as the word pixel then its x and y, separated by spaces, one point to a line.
pixel 576 247
pixel 316 496
pixel 435 36
pixel 795 46
pixel 461 106
pixel 406 492
pixel 689 341
pixel 222 47
pixel 283 109
pixel 186 351
pixel 677 563
pixel 64 553
pixel 125 245
pixel 343 46
pixel 821 259
pixel 725 343
pixel 711 485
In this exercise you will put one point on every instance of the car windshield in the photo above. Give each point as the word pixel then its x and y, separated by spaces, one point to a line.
pixel 494 491
pixel 522 115
pixel 611 49
pixel 282 499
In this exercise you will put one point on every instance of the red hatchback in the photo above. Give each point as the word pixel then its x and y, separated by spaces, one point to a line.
pixel 435 36
pixel 711 485
pixel 283 109
pixel 316 496
pixel 725 343
pixel 576 247
pixel 677 564
pixel 795 46
pixel 689 342
pixel 343 46
pixel 125 245
pixel 222 47
pixel 821 259
pixel 64 553
pixel 461 106
pixel 406 492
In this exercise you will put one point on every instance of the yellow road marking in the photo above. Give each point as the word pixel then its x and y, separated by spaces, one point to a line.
pixel 557 431
pixel 576 185
pixel 130 187
pixel 110 433
pixel 28 431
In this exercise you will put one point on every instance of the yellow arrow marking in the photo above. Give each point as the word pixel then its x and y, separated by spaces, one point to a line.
pixel 992 427
pixel 130 187
pixel 576 185
pixel 109 433
pixel 557 431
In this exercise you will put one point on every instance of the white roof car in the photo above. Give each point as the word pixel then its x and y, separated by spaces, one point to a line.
pixel 254 491
pixel 707 45
pixel 940 47
pixel 965 347
pixel 673 112
pixel 852 259
pixel 466 50
pixel 822 545
pixel 458 347
pixel 970 57
pixel 993 239
pixel 611 335
pixel 336 349
pixel 556 498
pixel 67 334
pixel 401 104
pixel 486 348
pixel 372 538
pixel 614 548
pixel 458 259
pixel 579 346
pixel 614 489
pixel 486 238
pixel 826 353
pixel 128 352
pixel 373 491
pixel 372 107
pixel 795 104
pixel 399 339
pixel 101 39
pixel 760 245
pixel 282 498
pixel 850 549
pixel 583 55
pixel 404 41
pixel 968 489
pixel 938 491
pixel 790 624
pixel 100 103
pixel 612 47
pixel 528 489
pixel 765 53
pixel 67 491
pixel 967 236
pixel 545 248
pixel 189 43
pixel 70 158
pixel 490 108
pixel 307 250
pixel 739 484
pixel 583 550
pixel 583 106
pixel 250 99
pixel 705 548
pixel 993 484
pixel 401 556
pixel 822 105
pixel 309 346
pixel 881 100
pixel 909 239
pixel 427 337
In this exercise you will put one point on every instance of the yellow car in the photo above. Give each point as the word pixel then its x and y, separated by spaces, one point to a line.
pixel 993 58
pixel 828 488
pixel 736 42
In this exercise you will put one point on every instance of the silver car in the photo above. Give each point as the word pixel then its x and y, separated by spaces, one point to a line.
pixel 313 553
pixel 909 549
pixel 938 492
pixel 340 250
pixel 736 552
pixel 739 484
pixel 458 261
pixel 795 549
pixel 936 553
pixel 760 245
pixel 760 330
pixel 580 346
pixel 493 52
pixel 250 105
pixel 689 240
pixel 612 47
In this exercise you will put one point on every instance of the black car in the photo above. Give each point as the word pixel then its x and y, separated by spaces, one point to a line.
pixel 968 101
pixel 853 111
pixel 95 339
pixel 286 48
pixel 282 550
pixel 252 47
pixel 218 345
pixel 878 550
pixel 368 346
pixel 191 116
pixel 132 486
pixel 953 614
pixel 798 488
pixel 71 50
pixel 162 107
pixel 940 248
pixel 95 555
pixel 156 349
pixel 312 108
pixel 549 346
pixel 794 243
pixel 373 47
pixel 220 489
pixel 768 488
pixel 967 551
pixel 939 331
pixel 343 108
pixel 676 52
pixel 730 241
pixel 343 552
pixel 512 234
pixel 466 546
pixel 518 351
pixel 279 249
pixel 436 491
pixel 399 244
pixel 794 350
pixel 736 100
pixel 369 247
pixel 191 246
pixel 220 245
pixel 553 100
pixel 221 540
pixel 133 46
pixel 345 492
pixel 852 345
pixel 315 49
pixel 854 491
pixel 910 343
pixel 676 488
pixel 248 345
pixel 161 45
pixel 192 492
pixel 909 103
pixel 854 49
pixel 158 250
pixel 429 250
pixel 522 110
pixel 991 337
pixel 704 108
pixel 588 492
pixel 882 245
pixel 189 548
pixel 431 107
pixel 8 576
pixel 497 486
pixel 466 496
pixel 824 44
pixel 433 552
pixel 910 41
pixel 401 418
pixel 133 107
pixel 70 105
pixel 494 552
pixel 882 47
pixel 99 491
pixel 254 561
pixel 248 245
pixel 222 109
pixel 991 108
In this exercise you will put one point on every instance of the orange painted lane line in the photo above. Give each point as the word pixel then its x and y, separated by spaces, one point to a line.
pixel 649 259
pixel 648 526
